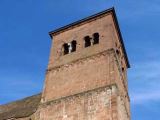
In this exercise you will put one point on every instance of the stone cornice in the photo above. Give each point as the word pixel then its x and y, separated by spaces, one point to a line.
pixel 82 60
pixel 89 92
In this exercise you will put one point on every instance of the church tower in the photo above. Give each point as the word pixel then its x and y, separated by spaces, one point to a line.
pixel 86 78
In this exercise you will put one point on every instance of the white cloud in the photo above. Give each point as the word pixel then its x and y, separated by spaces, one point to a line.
pixel 145 97
pixel 144 82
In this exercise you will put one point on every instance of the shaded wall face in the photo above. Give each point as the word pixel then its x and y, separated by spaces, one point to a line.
pixel 122 111
pixel 120 78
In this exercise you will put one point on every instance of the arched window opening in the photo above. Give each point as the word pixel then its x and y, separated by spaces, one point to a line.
pixel 122 69
pixel 87 41
pixel 95 38
pixel 66 49
pixel 118 52
pixel 74 43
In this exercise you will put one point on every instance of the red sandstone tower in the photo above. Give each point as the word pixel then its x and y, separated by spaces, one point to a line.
pixel 86 77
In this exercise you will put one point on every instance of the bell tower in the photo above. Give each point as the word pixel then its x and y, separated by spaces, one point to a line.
pixel 86 78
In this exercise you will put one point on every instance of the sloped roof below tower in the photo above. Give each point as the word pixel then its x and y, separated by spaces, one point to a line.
pixel 21 108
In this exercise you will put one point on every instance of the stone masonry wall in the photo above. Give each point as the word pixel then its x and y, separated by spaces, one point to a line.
pixel 121 83
pixel 103 26
pixel 74 82
pixel 122 111
pixel 85 74
pixel 90 105
pixel 108 38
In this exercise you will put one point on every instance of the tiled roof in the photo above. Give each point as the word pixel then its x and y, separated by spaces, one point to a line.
pixel 21 108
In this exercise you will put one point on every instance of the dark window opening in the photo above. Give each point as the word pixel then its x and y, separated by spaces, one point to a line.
pixel 87 41
pixel 95 38
pixel 74 43
pixel 122 69
pixel 118 52
pixel 66 48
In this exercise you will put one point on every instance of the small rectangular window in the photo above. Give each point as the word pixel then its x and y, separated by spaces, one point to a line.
pixel 65 49
pixel 87 41
pixel 95 38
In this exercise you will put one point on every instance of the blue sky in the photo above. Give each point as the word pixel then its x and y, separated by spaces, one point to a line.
pixel 25 46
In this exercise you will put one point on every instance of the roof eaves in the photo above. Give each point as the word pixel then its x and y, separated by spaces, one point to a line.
pixel 121 38
pixel 80 21
pixel 112 10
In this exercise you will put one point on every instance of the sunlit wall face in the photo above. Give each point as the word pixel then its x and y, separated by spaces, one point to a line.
pixel 24 46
